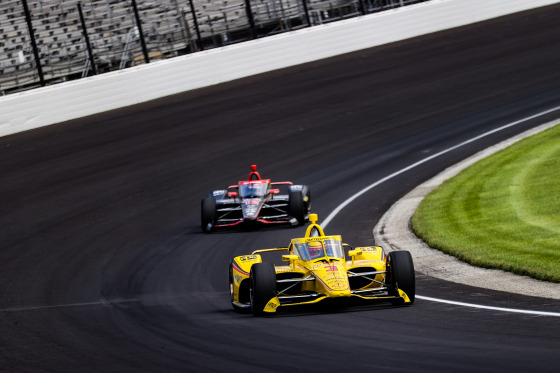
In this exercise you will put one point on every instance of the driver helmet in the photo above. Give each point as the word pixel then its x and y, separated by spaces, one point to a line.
pixel 315 249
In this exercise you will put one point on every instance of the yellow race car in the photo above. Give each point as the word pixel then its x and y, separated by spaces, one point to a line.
pixel 318 269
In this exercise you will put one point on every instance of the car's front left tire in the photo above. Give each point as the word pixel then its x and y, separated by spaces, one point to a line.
pixel 262 286
pixel 237 308
pixel 208 215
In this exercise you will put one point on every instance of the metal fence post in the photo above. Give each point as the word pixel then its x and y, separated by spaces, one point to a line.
pixel 199 39
pixel 86 36
pixel 139 24
pixel 363 8
pixel 33 43
pixel 306 10
pixel 250 18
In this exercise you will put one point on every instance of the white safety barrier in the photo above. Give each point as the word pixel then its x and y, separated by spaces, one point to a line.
pixel 61 102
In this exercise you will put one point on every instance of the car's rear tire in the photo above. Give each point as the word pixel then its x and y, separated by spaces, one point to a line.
pixel 401 275
pixel 208 215
pixel 296 207
pixel 263 286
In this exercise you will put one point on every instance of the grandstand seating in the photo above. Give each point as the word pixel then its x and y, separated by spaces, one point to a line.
pixel 168 27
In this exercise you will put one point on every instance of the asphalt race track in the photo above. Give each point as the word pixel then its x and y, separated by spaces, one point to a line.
pixel 104 268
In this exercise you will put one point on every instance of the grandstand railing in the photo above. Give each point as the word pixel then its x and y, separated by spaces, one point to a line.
pixel 73 39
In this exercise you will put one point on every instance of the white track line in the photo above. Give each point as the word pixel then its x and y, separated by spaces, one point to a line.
pixel 423 161
pixel 534 312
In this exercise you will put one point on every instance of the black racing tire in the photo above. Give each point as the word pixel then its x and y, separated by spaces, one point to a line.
pixel 263 286
pixel 208 215
pixel 401 274
pixel 235 307
pixel 296 207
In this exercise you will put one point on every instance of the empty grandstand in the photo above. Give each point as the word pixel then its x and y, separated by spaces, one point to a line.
pixel 50 41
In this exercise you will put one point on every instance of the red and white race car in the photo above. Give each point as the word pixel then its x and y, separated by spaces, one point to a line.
pixel 256 200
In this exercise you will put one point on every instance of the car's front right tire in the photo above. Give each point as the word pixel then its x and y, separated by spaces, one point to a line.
pixel 401 275
pixel 296 207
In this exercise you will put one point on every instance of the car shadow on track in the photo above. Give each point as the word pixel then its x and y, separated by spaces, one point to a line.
pixel 248 227
pixel 331 306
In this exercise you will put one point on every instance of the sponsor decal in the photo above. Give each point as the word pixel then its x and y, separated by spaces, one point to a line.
pixel 272 305
pixel 248 258
pixel 369 249
pixel 220 192
pixel 251 210
pixel 263 181
pixel 336 280
pixel 314 239
pixel 296 187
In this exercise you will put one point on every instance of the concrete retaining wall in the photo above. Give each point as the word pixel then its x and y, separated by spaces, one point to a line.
pixel 66 101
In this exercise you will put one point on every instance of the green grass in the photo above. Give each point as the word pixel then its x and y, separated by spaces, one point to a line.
pixel 502 212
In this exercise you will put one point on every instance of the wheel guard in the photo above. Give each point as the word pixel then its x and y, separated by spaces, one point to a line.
pixel 272 305
pixel 404 296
